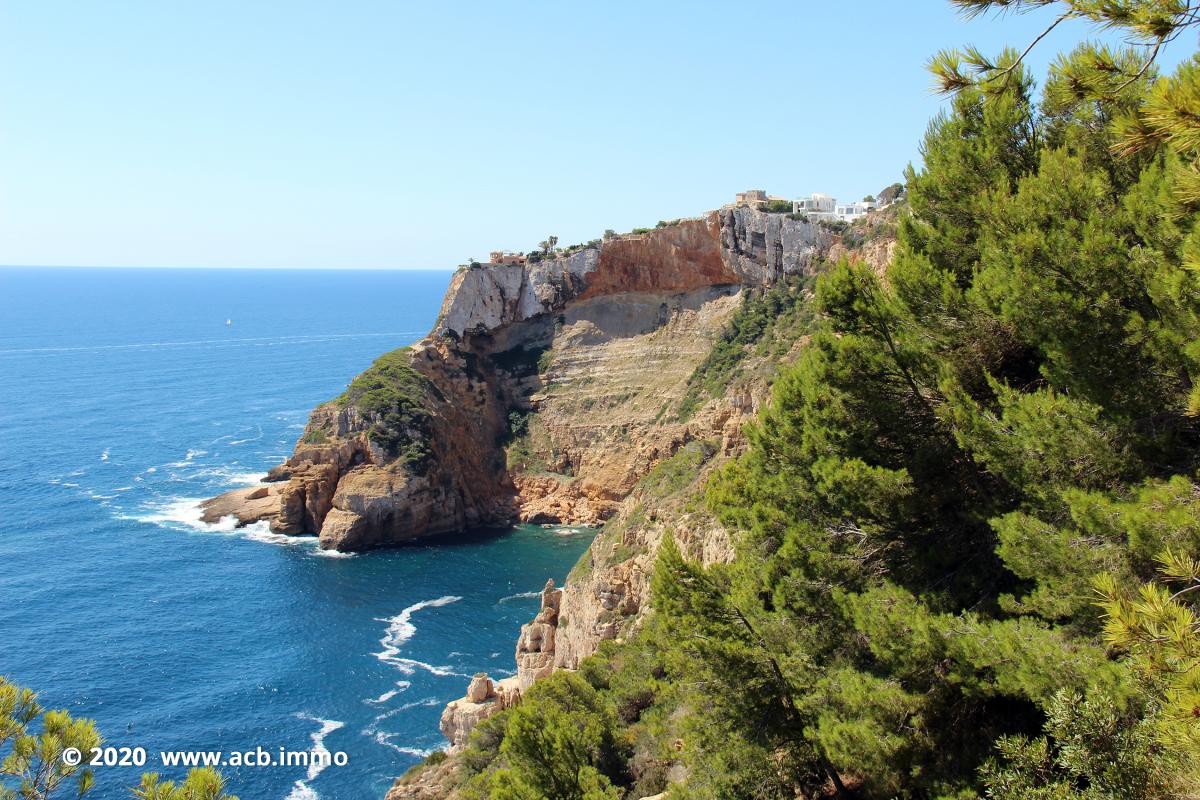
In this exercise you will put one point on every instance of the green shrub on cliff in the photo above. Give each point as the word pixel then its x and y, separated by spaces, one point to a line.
pixel 315 436
pixel 768 322
pixel 672 475
pixel 559 742
pixel 394 397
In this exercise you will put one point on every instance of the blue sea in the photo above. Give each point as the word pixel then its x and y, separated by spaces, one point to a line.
pixel 124 399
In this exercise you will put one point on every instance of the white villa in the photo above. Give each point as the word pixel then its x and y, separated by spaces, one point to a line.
pixel 816 206
pixel 852 211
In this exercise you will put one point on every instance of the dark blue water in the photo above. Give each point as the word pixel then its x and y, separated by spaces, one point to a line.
pixel 124 398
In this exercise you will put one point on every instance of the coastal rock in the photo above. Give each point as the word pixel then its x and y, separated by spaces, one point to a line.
pixel 488 298
pixel 481 688
pixel 674 259
pixel 535 645
pixel 427 782
pixel 762 248
pixel 345 530
pixel 484 698
pixel 551 600
pixel 245 505
pixel 306 498
pixel 535 659
pixel 549 499
pixel 460 717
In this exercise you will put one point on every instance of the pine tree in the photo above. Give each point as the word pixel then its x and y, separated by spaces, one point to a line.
pixel 34 767
pixel 36 739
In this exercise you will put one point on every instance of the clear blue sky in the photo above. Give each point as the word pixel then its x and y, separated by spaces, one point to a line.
pixel 395 134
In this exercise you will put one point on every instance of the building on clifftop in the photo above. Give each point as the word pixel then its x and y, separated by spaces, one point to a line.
pixel 506 257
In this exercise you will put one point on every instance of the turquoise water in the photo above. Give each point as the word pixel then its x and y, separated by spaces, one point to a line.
pixel 124 398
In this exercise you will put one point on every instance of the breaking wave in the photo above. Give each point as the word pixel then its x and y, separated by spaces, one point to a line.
pixel 389 694
pixel 400 627
pixel 184 513
pixel 519 596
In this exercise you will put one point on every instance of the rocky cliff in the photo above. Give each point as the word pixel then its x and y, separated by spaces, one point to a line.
pixel 575 358
pixel 621 431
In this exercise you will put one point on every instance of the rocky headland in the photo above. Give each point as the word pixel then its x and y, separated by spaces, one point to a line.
pixel 584 351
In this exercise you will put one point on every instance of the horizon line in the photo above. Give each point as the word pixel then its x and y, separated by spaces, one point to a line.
pixel 226 267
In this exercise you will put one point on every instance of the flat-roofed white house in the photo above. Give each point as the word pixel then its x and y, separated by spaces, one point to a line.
pixel 816 207
pixel 852 211
pixel 816 202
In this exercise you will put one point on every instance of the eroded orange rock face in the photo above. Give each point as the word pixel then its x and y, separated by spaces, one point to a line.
pixel 546 499
pixel 677 258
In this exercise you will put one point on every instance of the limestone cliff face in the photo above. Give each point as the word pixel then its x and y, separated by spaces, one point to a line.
pixel 666 468
pixel 488 299
pixel 593 345
pixel 731 247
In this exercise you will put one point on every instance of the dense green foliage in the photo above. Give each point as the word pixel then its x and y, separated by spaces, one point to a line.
pixel 561 743
pixel 394 397
pixel 966 445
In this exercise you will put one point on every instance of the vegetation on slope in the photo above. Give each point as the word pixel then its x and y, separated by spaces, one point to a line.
pixel 964 452
pixel 969 522
pixel 395 398
pixel 767 323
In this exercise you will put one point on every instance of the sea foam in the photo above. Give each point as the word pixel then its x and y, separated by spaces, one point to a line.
pixel 401 629
pixel 409 666
pixel 519 596
pixel 384 738
pixel 185 512
pixel 302 791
